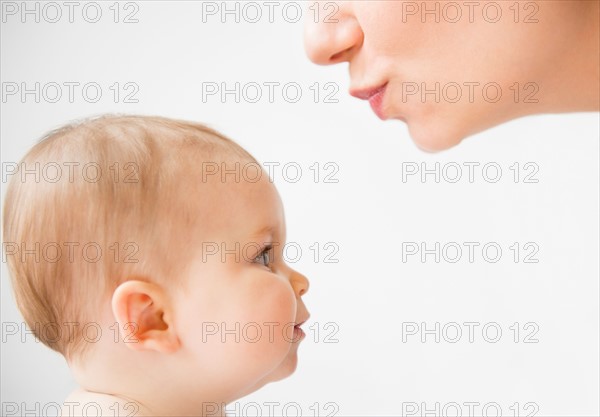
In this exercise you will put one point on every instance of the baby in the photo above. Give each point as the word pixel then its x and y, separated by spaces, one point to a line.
pixel 148 252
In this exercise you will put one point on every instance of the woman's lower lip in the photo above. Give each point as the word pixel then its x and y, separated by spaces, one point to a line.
pixel 376 102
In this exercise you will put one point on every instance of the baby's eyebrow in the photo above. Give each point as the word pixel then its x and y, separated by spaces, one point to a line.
pixel 265 231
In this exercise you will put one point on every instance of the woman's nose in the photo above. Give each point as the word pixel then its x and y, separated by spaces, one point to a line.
pixel 331 38
pixel 299 283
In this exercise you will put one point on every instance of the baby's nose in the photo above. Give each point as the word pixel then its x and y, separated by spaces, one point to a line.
pixel 300 283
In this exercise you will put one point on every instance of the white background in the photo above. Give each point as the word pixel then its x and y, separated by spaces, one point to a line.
pixel 369 213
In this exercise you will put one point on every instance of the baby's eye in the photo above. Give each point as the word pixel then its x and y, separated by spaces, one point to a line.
pixel 264 257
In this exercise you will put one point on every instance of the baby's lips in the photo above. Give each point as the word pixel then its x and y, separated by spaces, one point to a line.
pixel 302 322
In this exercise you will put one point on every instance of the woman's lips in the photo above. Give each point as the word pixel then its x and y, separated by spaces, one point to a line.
pixel 375 97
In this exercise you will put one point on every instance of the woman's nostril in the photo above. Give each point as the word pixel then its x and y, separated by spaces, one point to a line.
pixel 340 55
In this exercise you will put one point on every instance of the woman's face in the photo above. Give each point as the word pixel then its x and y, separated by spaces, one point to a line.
pixel 447 69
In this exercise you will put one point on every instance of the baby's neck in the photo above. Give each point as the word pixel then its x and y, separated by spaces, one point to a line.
pixel 83 402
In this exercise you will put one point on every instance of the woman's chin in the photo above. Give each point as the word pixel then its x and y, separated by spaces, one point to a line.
pixel 434 133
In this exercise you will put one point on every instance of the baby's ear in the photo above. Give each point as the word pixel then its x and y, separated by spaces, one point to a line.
pixel 144 315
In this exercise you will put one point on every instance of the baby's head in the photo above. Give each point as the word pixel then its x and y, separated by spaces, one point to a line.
pixel 148 252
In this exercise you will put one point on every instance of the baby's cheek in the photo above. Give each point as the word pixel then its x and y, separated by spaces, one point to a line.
pixel 249 330
pixel 273 307
pixel 258 331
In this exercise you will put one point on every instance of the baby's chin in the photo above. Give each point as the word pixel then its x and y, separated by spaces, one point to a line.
pixel 285 369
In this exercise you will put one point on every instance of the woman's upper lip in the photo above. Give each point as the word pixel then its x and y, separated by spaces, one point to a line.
pixel 367 93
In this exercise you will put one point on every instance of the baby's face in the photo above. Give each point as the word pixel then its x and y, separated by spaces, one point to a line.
pixel 236 319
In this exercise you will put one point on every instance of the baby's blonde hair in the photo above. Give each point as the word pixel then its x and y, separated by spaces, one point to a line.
pixel 97 202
